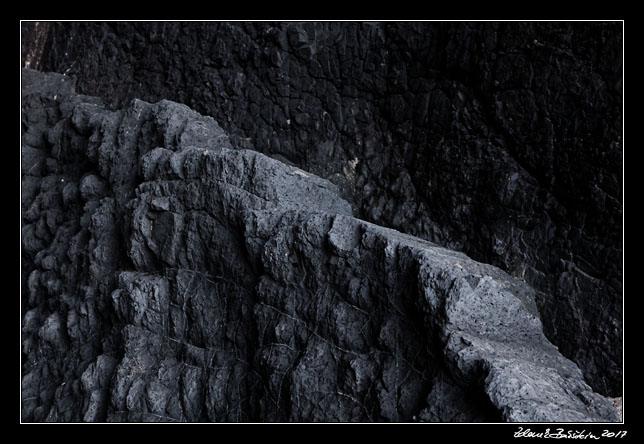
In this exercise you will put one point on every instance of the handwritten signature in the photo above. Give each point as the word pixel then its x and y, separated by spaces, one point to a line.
pixel 567 434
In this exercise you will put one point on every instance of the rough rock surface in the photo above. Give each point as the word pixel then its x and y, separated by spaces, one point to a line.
pixel 168 276
pixel 501 140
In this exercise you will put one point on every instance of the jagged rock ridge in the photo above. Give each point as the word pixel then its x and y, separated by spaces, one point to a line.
pixel 501 140
pixel 170 277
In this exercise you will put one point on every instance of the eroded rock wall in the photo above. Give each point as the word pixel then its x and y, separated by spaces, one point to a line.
pixel 168 276
pixel 501 140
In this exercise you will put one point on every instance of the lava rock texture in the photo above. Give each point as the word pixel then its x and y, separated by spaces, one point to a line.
pixel 500 140
pixel 170 276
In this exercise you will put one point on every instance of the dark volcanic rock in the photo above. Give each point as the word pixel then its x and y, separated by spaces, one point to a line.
pixel 170 277
pixel 501 140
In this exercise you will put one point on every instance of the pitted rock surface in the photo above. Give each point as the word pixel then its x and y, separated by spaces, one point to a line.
pixel 499 139
pixel 168 276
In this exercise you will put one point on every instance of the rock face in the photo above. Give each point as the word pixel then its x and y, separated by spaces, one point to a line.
pixel 501 140
pixel 168 276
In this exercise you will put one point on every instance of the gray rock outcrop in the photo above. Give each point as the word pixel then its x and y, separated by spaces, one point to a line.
pixel 502 140
pixel 168 276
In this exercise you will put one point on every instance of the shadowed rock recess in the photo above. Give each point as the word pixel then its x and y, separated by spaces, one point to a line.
pixel 168 276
